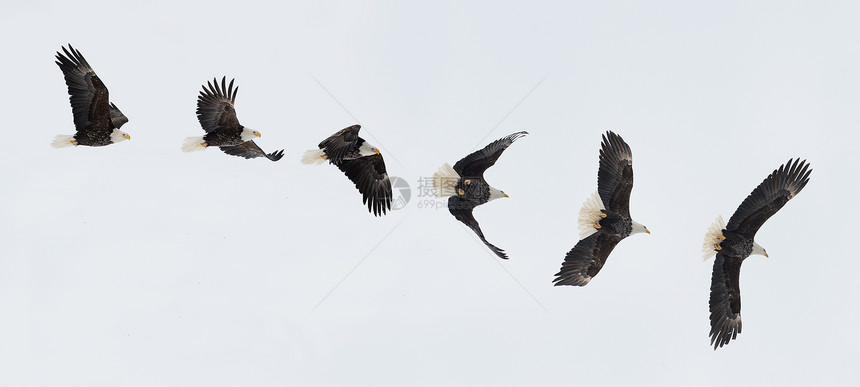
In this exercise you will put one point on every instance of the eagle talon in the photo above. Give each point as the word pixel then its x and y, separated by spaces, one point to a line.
pixel 468 181
pixel 720 237
pixel 73 142
pixel 461 192
pixel 602 215
pixel 717 247
pixel 597 225
pixel 203 144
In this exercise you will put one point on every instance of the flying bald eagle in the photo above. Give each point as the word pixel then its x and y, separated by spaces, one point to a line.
pixel 361 162
pixel 97 120
pixel 217 116
pixel 735 242
pixel 465 187
pixel 604 219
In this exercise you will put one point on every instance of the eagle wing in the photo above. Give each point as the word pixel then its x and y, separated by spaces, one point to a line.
pixel 477 162
pixel 615 175
pixel 369 175
pixel 215 109
pixel 462 211
pixel 725 302
pixel 338 145
pixel 87 94
pixel 765 200
pixel 116 116
pixel 250 150
pixel 586 259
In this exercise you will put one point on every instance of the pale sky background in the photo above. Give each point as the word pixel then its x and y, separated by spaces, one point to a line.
pixel 139 265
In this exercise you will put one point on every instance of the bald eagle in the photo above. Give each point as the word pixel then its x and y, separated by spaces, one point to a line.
pixel 217 116
pixel 735 242
pixel 465 187
pixel 361 162
pixel 604 219
pixel 97 120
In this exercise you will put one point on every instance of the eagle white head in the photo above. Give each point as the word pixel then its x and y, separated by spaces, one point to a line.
pixel 758 250
pixel 119 136
pixel 639 228
pixel 249 134
pixel 496 194
pixel 367 150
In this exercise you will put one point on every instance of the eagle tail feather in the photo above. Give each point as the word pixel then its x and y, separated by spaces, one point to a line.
pixel 712 238
pixel 192 144
pixel 445 181
pixel 314 156
pixel 63 141
pixel 589 214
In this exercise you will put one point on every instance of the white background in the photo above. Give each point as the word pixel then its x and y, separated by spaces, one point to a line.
pixel 137 264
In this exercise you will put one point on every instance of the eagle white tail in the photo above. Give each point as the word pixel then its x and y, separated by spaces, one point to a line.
pixel 712 237
pixel 63 140
pixel 192 144
pixel 589 214
pixel 314 156
pixel 445 181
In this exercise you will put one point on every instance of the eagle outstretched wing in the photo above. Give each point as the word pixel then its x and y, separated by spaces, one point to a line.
pixel 215 109
pixel 725 301
pixel 250 150
pixel 615 174
pixel 369 175
pixel 87 94
pixel 585 259
pixel 477 162
pixel 462 211
pixel 338 145
pixel 766 199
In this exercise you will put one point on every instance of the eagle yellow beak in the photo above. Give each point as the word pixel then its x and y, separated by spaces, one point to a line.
pixel 259 135
pixel 377 151
pixel 506 195
pixel 127 137
pixel 648 231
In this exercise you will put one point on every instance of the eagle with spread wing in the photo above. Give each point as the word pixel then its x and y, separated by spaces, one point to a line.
pixel 97 120
pixel 217 116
